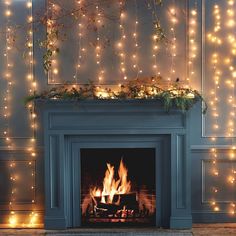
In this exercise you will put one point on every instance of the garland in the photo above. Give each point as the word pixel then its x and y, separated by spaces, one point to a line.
pixel 173 96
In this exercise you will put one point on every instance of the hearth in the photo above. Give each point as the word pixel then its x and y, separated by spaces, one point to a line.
pixel 115 186
pixel 115 163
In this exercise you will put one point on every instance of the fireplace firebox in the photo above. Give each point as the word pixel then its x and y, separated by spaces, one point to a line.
pixel 115 163
pixel 115 188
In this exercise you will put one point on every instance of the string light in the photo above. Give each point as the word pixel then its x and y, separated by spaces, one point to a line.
pixel 230 14
pixel 230 82
pixel 134 58
pixel 155 45
pixel 33 220
pixel 228 62
pixel 54 72
pixel 81 48
pixel 215 39
pixel 12 220
pixel 121 43
pixel 173 50
pixel 98 48
pixel 8 78
pixel 192 43
pixel 32 90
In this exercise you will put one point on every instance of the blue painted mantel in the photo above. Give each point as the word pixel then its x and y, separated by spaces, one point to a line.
pixel 69 126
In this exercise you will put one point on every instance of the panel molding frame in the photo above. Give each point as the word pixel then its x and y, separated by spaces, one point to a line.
pixel 20 154
pixel 203 187
pixel 186 54
pixel 202 207
pixel 29 129
pixel 202 211
pixel 19 203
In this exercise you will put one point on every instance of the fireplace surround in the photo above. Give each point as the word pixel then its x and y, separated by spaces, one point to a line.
pixel 72 127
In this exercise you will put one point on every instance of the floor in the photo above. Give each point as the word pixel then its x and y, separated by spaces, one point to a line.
pixel 198 230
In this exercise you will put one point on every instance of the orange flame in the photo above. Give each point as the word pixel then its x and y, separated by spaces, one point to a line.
pixel 111 186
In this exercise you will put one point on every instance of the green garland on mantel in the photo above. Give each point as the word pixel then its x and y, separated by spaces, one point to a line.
pixel 175 96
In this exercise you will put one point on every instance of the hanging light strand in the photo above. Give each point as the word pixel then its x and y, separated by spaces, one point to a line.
pixel 192 43
pixel 53 43
pixel 8 75
pixel 12 219
pixel 122 41
pixel 173 46
pixel 155 47
pixel 33 125
pixel 214 102
pixel 81 50
pixel 99 46
pixel 135 59
pixel 230 82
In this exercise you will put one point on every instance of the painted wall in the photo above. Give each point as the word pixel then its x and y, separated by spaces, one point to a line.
pixel 207 186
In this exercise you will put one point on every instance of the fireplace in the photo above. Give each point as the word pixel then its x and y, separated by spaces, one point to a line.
pixel 115 163
pixel 114 186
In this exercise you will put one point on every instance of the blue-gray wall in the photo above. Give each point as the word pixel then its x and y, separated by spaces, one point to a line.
pixel 204 182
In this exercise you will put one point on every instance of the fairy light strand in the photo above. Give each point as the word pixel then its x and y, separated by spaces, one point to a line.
pixel 228 62
pixel 192 43
pixel 54 71
pixel 173 47
pixel 230 82
pixel 8 75
pixel 80 45
pixel 121 43
pixel 12 219
pixel 135 59
pixel 155 46
pixel 214 102
pixel 98 49
pixel 31 107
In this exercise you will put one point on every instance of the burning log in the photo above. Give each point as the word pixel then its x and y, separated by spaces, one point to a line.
pixel 106 208
pixel 121 201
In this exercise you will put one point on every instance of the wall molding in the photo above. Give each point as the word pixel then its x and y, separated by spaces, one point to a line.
pixel 209 147
pixel 20 149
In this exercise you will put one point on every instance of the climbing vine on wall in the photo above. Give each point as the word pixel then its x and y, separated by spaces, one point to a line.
pixel 56 30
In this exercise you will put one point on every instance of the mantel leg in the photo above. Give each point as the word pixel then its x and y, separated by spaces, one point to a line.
pixel 181 217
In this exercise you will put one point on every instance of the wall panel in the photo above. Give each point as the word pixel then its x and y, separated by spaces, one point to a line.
pixel 205 183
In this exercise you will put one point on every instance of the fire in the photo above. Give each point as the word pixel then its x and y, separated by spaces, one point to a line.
pixel 111 186
pixel 115 202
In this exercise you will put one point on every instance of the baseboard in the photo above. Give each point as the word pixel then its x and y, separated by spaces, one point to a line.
pixel 180 222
